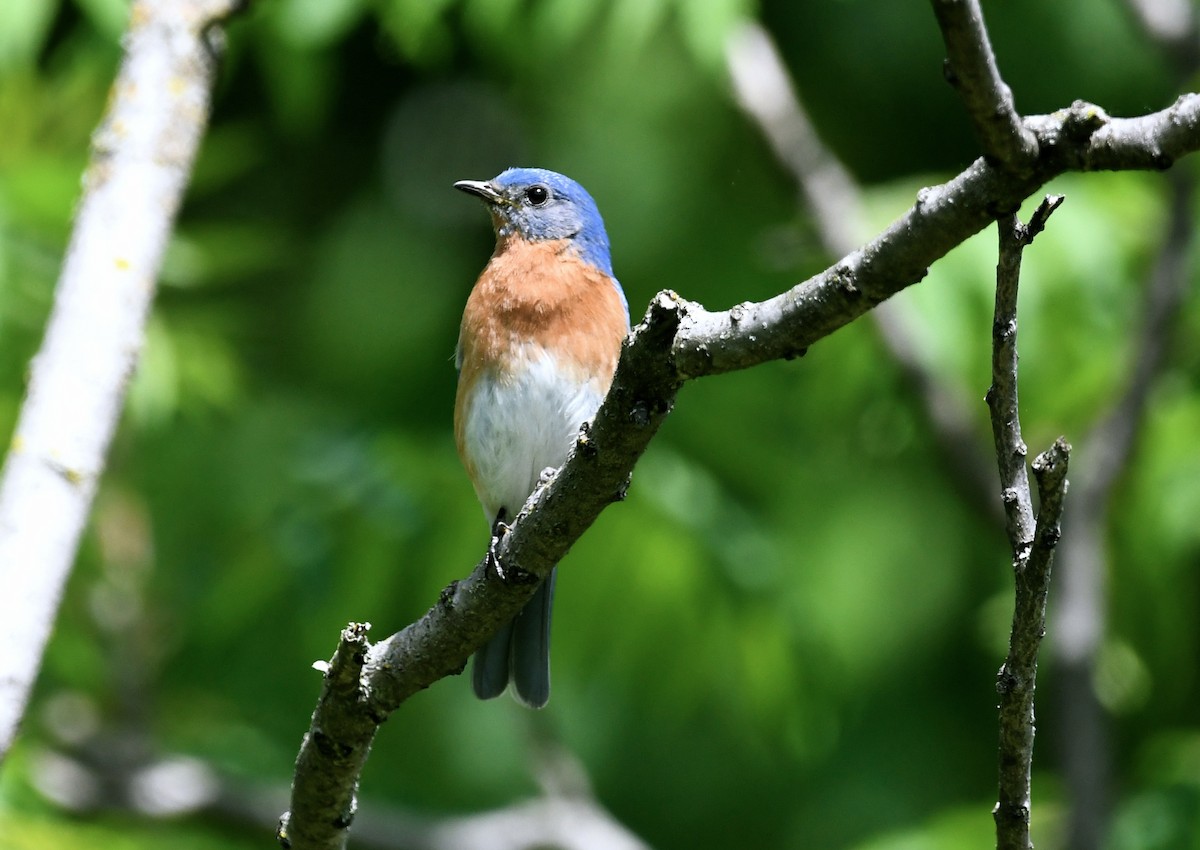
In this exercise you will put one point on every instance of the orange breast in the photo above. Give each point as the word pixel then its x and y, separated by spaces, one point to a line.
pixel 539 292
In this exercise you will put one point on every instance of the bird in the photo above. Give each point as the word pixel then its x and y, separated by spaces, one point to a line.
pixel 540 337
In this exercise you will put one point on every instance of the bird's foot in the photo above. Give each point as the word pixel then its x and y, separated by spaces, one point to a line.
pixel 499 529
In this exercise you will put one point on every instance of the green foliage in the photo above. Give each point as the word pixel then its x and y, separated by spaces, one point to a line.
pixel 22 832
pixel 787 636
pixel 23 28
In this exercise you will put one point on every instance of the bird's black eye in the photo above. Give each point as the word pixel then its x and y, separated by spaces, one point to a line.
pixel 537 195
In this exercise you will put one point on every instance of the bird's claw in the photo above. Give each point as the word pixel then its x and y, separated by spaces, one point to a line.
pixel 493 559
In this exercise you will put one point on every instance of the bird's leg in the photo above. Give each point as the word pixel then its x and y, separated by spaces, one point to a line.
pixel 499 529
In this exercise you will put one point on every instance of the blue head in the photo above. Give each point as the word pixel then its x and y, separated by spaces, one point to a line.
pixel 536 205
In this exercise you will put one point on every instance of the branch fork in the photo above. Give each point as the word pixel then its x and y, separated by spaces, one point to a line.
pixel 1032 538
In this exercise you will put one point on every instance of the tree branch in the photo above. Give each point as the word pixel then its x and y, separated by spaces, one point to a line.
pixel 1081 138
pixel 1017 679
pixel 1002 394
pixel 678 341
pixel 971 68
pixel 1032 542
pixel 142 155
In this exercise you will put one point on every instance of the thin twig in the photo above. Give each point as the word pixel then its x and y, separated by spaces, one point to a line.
pixel 1002 395
pixel 971 68
pixel 1017 680
pixel 1050 472
pixel 1032 541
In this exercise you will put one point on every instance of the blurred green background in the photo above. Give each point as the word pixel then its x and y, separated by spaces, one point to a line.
pixel 788 635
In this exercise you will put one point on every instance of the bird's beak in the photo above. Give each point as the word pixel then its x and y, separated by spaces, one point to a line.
pixel 482 189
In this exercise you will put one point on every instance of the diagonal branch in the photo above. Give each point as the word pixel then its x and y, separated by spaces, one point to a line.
pixel 1080 138
pixel 679 341
pixel 971 68
pixel 141 157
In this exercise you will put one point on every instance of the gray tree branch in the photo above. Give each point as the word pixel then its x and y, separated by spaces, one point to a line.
pixel 1032 540
pixel 971 68
pixel 765 92
pixel 1017 679
pixel 1002 396
pixel 142 155
pixel 679 341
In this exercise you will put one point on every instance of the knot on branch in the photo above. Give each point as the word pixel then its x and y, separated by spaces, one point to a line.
pixel 1006 682
pixel 1011 815
pixel 1082 119
pixel 330 748
pixel 1065 136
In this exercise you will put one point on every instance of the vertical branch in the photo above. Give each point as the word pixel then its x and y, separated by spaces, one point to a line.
pixel 141 157
pixel 1002 394
pixel 1017 679
pixel 1033 541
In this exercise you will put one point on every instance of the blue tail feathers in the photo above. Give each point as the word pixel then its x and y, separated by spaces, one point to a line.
pixel 520 653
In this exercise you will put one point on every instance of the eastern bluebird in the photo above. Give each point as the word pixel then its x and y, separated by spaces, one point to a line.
pixel 538 345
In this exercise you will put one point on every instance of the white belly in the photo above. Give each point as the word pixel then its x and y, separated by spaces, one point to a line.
pixel 518 425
